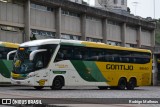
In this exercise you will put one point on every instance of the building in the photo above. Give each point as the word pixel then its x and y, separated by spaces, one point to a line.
pixel 21 19
pixel 112 4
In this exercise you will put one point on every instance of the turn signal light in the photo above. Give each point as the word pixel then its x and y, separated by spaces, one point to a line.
pixel 21 49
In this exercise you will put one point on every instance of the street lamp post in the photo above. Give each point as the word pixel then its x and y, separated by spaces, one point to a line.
pixel 135 4
pixel 154 8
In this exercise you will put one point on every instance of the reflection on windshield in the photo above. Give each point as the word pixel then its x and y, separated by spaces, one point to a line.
pixel 23 65
pixel 24 54
pixel 21 60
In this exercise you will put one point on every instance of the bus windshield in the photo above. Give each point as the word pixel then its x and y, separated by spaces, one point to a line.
pixel 23 65
pixel 6 65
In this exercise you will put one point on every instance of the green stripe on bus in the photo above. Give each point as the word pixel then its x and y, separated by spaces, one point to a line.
pixel 6 67
pixel 89 71
pixel 59 72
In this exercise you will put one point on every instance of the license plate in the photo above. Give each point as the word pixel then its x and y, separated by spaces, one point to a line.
pixel 18 82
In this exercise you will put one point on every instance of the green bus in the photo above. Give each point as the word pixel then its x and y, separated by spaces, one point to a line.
pixel 6 66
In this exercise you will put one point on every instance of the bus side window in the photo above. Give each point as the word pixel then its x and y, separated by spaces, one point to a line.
pixel 78 56
pixel 146 60
pixel 117 59
pixel 109 58
pixel 39 60
pixel 12 56
pixel 95 54
pixel 125 59
pixel 79 53
pixel 59 56
pixel 139 60
pixel 4 51
pixel 67 54
pixel 64 53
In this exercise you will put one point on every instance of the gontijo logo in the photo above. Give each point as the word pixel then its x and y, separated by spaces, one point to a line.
pixel 119 67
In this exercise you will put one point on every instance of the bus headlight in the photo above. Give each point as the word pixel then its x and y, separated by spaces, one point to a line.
pixel 31 75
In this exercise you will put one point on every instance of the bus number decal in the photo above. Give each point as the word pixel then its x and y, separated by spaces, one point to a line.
pixel 144 68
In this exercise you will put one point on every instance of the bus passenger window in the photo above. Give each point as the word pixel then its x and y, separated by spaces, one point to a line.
pixel 146 60
pixel 39 60
pixel 59 56
pixel 109 58
pixel 78 56
pixel 66 55
pixel 125 59
pixel 117 59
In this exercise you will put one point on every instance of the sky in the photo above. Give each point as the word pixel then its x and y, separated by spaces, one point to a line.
pixel 143 8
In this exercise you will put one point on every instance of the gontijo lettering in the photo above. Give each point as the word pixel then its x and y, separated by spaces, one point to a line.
pixel 119 67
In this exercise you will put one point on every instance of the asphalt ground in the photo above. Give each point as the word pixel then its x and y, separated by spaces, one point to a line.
pixel 82 96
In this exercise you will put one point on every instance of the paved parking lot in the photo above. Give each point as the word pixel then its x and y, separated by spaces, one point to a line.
pixel 82 93
pixel 78 92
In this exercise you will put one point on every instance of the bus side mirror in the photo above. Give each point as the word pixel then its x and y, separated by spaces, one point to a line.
pixel 11 52
pixel 32 54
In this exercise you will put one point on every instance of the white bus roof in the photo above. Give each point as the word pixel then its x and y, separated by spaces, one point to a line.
pixel 48 41
pixel 80 43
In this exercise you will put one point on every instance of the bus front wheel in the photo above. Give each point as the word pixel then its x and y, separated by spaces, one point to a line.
pixel 58 83
pixel 122 84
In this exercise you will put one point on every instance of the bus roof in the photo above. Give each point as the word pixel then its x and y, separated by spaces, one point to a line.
pixel 9 44
pixel 79 43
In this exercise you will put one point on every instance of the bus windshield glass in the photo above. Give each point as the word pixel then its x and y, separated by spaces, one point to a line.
pixel 23 65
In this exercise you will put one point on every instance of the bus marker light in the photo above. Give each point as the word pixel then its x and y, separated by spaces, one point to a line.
pixel 21 49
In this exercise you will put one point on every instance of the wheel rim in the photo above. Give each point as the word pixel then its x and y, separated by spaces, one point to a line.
pixel 57 84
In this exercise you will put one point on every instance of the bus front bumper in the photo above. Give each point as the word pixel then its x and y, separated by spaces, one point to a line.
pixel 28 81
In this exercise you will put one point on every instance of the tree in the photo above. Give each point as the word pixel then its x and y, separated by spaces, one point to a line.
pixel 33 37
pixel 128 10
pixel 85 3
pixel 158 32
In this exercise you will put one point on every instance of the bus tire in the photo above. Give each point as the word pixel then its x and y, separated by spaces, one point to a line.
pixel 122 84
pixel 58 83
pixel 103 87
pixel 131 84
pixel 38 87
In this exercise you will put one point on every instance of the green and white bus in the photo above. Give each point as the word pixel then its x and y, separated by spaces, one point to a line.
pixel 6 66
pixel 56 63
